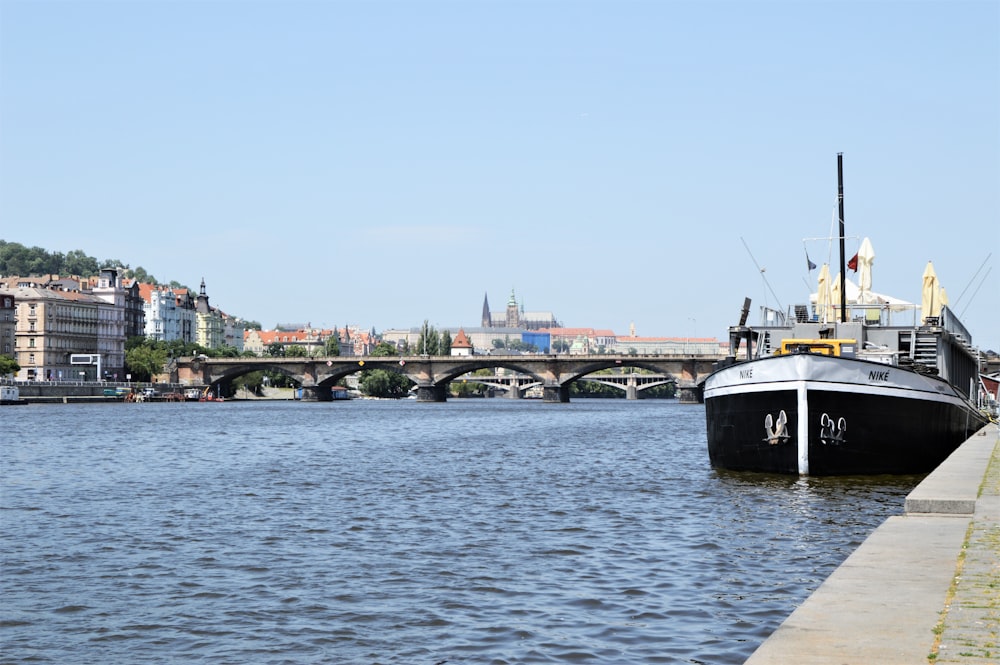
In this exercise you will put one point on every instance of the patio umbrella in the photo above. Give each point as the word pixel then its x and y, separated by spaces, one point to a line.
pixel 835 297
pixel 824 296
pixel 930 302
pixel 866 255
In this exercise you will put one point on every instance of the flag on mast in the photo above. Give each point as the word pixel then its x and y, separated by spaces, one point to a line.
pixel 810 266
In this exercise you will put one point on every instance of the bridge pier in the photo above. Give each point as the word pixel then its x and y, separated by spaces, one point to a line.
pixel 316 394
pixel 432 393
pixel 689 395
pixel 513 392
pixel 555 394
pixel 631 392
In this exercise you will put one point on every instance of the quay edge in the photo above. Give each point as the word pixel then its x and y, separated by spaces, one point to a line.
pixel 913 591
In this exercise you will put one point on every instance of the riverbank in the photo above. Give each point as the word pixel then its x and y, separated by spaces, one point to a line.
pixel 924 587
pixel 111 393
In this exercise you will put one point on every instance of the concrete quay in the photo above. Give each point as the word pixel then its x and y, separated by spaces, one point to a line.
pixel 923 588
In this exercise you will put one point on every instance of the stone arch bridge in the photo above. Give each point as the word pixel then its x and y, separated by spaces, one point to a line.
pixel 432 374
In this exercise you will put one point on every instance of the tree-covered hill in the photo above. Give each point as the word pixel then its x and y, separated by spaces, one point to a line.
pixel 16 259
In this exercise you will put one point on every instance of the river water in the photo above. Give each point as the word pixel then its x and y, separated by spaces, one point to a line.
pixel 473 531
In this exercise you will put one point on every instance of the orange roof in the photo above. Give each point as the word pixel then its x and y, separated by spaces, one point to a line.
pixel 586 332
pixel 461 340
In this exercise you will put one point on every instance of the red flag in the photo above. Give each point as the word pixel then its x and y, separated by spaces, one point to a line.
pixel 853 263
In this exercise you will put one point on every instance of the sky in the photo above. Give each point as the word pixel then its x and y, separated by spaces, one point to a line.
pixel 616 163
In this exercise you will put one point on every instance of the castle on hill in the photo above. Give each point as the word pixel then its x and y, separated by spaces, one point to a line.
pixel 515 317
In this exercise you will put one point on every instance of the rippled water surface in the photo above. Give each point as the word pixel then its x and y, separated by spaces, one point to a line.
pixel 474 531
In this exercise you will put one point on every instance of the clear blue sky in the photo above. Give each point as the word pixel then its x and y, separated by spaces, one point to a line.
pixel 382 163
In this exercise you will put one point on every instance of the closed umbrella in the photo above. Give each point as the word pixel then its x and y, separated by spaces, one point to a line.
pixel 823 295
pixel 835 297
pixel 930 300
pixel 866 255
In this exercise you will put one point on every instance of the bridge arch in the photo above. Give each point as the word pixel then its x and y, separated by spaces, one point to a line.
pixel 431 374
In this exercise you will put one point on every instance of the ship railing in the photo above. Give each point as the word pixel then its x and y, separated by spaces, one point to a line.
pixel 950 322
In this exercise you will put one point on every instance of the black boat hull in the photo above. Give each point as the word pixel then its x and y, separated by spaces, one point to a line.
pixel 819 415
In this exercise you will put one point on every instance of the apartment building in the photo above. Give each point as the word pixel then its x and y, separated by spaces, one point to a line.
pixel 209 330
pixel 7 303
pixel 166 318
pixel 312 340
pixel 53 327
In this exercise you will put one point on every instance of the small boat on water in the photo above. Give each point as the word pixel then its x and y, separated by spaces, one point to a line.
pixel 10 396
pixel 871 386
pixel 207 396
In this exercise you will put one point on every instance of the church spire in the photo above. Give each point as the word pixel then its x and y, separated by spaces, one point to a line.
pixel 487 317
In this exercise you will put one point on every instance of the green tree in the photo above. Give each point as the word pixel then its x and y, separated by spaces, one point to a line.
pixel 444 347
pixel 295 351
pixel 142 362
pixel 78 263
pixel 383 349
pixel 378 383
pixel 428 342
pixel 275 350
pixel 8 366
pixel 384 383
pixel 140 275
pixel 331 347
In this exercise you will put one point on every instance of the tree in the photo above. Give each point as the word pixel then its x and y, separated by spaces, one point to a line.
pixel 331 347
pixel 275 350
pixel 140 275
pixel 78 263
pixel 142 362
pixel 8 366
pixel 383 349
pixel 383 383
pixel 295 351
pixel 444 347
pixel 428 342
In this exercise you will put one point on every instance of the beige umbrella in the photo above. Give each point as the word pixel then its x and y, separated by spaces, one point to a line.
pixel 824 296
pixel 866 256
pixel 835 297
pixel 930 303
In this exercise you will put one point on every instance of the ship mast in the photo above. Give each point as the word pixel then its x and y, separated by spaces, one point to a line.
pixel 843 267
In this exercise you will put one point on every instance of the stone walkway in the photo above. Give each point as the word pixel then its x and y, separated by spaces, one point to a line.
pixel 970 626
pixel 923 588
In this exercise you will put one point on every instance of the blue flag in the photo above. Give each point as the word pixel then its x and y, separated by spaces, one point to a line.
pixel 811 266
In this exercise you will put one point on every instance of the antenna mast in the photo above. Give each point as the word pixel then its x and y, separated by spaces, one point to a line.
pixel 840 204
